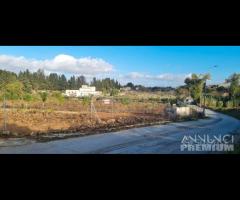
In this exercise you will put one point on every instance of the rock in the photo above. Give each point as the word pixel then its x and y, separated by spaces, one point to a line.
pixel 102 123
pixel 15 134
pixel 110 121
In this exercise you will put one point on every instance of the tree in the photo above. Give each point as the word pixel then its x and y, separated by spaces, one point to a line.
pixel 39 80
pixel 72 83
pixel 14 90
pixel 182 92
pixel 105 85
pixel 130 84
pixel 43 96
pixel 24 77
pixel 234 89
pixel 81 80
pixel 196 84
pixel 63 82
pixel 114 92
pixel 53 81
pixel 7 77
pixel 221 89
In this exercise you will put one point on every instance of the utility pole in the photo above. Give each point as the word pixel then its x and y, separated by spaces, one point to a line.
pixel 112 106
pixel 204 98
pixel 91 108
pixel 4 110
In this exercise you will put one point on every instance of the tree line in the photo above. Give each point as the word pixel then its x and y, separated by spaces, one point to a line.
pixel 216 95
pixel 24 82
pixel 148 89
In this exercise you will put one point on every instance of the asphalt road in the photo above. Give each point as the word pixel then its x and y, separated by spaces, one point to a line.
pixel 163 139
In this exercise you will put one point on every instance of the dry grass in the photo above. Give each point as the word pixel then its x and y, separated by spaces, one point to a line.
pixel 73 115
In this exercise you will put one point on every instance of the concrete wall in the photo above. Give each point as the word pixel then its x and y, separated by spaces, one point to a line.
pixel 183 111
pixel 173 112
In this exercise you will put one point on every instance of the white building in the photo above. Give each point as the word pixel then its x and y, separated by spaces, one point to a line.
pixel 85 90
pixel 126 88
pixel 188 100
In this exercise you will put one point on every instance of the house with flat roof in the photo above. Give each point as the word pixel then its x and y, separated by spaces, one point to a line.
pixel 85 90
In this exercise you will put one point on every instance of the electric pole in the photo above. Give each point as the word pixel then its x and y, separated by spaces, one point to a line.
pixel 112 106
pixel 204 98
pixel 4 109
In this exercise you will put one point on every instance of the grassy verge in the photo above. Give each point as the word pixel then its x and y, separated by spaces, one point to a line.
pixel 231 112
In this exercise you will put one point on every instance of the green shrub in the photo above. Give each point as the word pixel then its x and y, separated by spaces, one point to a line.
pixel 173 101
pixel 27 97
pixel 211 102
pixel 219 104
pixel 86 101
pixel 114 92
pixel 14 90
pixel 125 101
pixel 230 104
pixel 58 96
pixel 165 100
pixel 43 96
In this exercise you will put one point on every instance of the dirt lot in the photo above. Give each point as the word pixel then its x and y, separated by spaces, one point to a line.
pixel 76 117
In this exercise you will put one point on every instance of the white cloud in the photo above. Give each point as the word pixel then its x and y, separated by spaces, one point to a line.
pixel 89 67
pixel 135 75
pixel 61 64
pixel 165 79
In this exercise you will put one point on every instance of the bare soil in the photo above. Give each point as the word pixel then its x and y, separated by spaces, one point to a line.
pixel 25 122
pixel 34 120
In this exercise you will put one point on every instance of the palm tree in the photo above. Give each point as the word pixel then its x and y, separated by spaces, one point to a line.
pixel 205 78
pixel 234 89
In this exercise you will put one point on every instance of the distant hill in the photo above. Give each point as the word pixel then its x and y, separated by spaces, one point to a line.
pixel 225 85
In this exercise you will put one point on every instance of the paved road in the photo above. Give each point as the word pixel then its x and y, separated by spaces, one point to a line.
pixel 154 139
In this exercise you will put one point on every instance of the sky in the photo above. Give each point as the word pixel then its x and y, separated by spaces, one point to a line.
pixel 146 65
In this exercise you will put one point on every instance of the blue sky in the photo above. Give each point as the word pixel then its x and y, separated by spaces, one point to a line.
pixel 148 65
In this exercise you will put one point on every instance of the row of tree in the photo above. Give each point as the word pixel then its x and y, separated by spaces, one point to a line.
pixel 148 89
pixel 39 81
pixel 15 85
pixel 106 85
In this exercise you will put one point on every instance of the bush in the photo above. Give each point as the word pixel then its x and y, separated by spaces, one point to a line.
pixel 27 97
pixel 165 100
pixel 114 92
pixel 173 101
pixel 211 102
pixel 43 96
pixel 230 104
pixel 153 99
pixel 14 90
pixel 58 96
pixel 125 101
pixel 219 104
pixel 86 101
